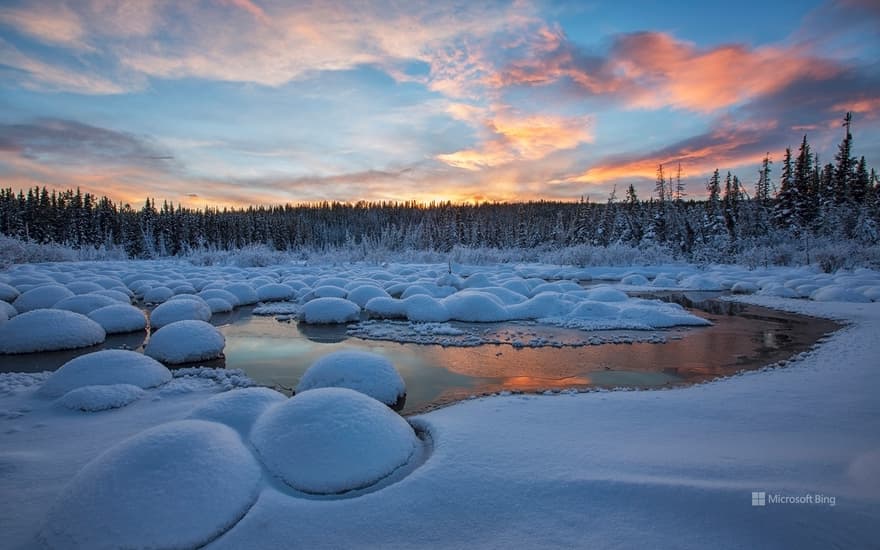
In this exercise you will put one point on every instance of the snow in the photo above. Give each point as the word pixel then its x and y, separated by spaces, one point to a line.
pixel 274 292
pixel 363 294
pixel 838 293
pixel 221 294
pixel 8 309
pixel 424 308
pixel 119 318
pixel 186 342
pixel 178 485
pixel 115 294
pixel 332 440
pixel 329 291
pixel 83 287
pixel 330 311
pixel 8 293
pixel 219 305
pixel 106 367
pixel 244 293
pixel 369 373
pixel 179 310
pixel 386 308
pixel 49 330
pixel 84 303
pixel 239 408
pixel 158 295
pixel 101 398
pixel 475 306
pixel 41 297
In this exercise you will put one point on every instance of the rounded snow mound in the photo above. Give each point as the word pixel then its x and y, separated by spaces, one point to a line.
pixel 606 294
pixel 179 310
pixel 219 305
pixel 244 293
pixel 119 318
pixel 332 440
pixel 101 398
pixel 177 485
pixel 8 293
pixel 83 287
pixel 426 309
pixel 49 330
pixel 185 342
pixel 329 311
pixel 386 308
pixel 329 291
pixel 221 294
pixel 475 306
pixel 838 293
pixel 635 279
pixel 84 303
pixel 238 408
pixel 368 373
pixel 274 292
pixel 41 297
pixel 744 287
pixel 106 367
pixel 7 308
pixel 158 295
pixel 363 294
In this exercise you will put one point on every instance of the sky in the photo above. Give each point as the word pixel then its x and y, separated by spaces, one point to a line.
pixel 240 102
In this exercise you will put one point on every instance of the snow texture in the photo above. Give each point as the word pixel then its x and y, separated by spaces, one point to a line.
pixel 178 485
pixel 106 367
pixel 185 342
pixel 239 408
pixel 101 398
pixel 84 303
pixel 119 318
pixel 42 297
pixel 329 311
pixel 49 330
pixel 332 440
pixel 179 310
pixel 365 372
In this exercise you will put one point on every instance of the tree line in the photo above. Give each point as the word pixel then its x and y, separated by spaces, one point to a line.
pixel 839 200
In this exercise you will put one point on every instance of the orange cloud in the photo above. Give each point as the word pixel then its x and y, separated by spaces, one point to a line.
pixel 512 136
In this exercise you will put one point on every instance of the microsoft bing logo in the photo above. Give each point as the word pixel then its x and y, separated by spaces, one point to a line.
pixel 759 498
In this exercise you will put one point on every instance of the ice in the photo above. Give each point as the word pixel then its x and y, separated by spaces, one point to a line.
pixel 369 373
pixel 84 303
pixel 49 330
pixel 330 311
pixel 332 440
pixel 179 310
pixel 41 297
pixel 238 408
pixel 101 398
pixel 106 367
pixel 185 342
pixel 119 318
pixel 178 485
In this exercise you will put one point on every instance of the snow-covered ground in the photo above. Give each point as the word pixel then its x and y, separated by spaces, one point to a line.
pixel 671 468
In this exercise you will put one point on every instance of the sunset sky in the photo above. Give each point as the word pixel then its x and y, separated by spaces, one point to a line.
pixel 230 102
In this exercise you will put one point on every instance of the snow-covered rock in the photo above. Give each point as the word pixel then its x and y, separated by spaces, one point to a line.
pixel 635 279
pixel 8 309
pixel 238 408
pixel 185 342
pixel 363 294
pixel 106 367
pixel 177 485
pixel 179 310
pixel 425 308
pixel 8 293
pixel 744 287
pixel 244 293
pixel 386 308
pixel 369 373
pixel 158 294
pixel 332 440
pixel 606 294
pixel 115 294
pixel 49 330
pixel 83 287
pixel 119 318
pixel 330 311
pixel 101 398
pixel 274 292
pixel 41 297
pixel 838 293
pixel 329 291
pixel 219 305
pixel 84 303
pixel 475 306
pixel 220 293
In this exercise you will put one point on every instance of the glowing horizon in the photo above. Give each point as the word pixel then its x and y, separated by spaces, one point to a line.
pixel 263 102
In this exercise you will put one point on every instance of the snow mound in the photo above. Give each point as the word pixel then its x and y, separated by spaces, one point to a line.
pixel 41 297
pixel 101 398
pixel 274 292
pixel 179 310
pixel 49 330
pixel 386 308
pixel 185 342
pixel 158 295
pixel 84 303
pixel 635 280
pixel 329 291
pixel 368 373
pixel 363 294
pixel 606 294
pixel 744 287
pixel 8 293
pixel 114 294
pixel 838 293
pixel 329 311
pixel 106 367
pixel 424 308
pixel 7 308
pixel 238 409
pixel 177 485
pixel 220 293
pixel 332 440
pixel 219 305
pixel 119 318
pixel 475 306
pixel 244 293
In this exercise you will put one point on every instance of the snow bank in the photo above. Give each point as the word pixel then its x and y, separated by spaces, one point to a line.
pixel 238 408
pixel 106 367
pixel 179 310
pixel 119 318
pixel 49 330
pixel 101 398
pixel 368 373
pixel 41 297
pixel 330 311
pixel 332 440
pixel 178 485
pixel 185 342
